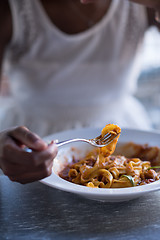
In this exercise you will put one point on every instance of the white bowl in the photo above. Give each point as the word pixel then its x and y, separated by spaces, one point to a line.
pixel 109 195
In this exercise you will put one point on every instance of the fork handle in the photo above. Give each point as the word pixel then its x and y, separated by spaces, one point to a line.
pixel 59 144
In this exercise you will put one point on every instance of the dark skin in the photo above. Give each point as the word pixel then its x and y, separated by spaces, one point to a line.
pixel 15 162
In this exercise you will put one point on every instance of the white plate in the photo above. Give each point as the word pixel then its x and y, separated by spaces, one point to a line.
pixel 108 195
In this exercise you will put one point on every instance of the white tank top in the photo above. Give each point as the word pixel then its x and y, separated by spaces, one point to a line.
pixel 60 81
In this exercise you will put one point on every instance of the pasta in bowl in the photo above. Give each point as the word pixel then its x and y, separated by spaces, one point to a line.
pixel 131 144
pixel 98 171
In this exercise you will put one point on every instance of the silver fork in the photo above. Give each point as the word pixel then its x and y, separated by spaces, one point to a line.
pixel 96 142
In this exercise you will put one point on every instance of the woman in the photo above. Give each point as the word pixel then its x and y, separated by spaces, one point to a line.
pixel 70 64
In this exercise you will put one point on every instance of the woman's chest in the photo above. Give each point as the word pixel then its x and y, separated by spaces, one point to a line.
pixel 72 17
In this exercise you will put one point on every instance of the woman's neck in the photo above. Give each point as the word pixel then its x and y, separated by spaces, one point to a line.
pixel 73 17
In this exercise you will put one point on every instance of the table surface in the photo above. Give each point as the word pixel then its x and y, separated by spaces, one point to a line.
pixel 36 211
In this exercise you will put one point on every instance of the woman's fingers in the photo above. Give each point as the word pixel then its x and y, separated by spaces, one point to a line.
pixel 35 174
pixel 17 155
pixel 24 136
pixel 10 169
pixel 48 154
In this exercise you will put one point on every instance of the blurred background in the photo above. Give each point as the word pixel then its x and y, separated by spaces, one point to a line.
pixel 148 91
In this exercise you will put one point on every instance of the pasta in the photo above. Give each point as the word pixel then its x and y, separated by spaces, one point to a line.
pixel 100 169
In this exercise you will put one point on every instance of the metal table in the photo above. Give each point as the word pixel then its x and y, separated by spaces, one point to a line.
pixel 36 211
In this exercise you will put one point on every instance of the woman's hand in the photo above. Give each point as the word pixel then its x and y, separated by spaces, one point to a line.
pixel 19 165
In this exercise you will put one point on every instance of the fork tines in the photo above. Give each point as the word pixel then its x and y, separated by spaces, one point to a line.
pixel 108 137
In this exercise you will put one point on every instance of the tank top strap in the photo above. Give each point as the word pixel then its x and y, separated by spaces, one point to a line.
pixel 24 25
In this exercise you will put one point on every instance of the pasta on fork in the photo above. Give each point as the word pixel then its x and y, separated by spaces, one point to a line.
pixel 101 169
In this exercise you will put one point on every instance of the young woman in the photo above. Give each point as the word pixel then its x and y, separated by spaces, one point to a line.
pixel 70 63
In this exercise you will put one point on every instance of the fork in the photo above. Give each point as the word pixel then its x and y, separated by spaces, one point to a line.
pixel 96 142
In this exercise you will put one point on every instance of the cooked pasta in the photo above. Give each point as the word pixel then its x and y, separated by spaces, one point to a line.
pixel 100 169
